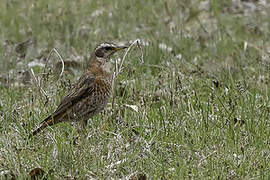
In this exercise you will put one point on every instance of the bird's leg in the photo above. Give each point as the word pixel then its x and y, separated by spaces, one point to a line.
pixel 82 127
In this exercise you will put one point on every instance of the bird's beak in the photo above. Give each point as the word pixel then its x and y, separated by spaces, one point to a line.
pixel 120 48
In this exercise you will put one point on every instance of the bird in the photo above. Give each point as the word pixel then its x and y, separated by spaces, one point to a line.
pixel 90 94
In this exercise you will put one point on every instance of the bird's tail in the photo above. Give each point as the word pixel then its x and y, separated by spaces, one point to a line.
pixel 47 122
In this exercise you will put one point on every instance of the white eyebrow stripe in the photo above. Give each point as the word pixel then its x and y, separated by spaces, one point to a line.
pixel 105 45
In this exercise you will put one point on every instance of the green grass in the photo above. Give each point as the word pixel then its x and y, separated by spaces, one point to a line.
pixel 203 106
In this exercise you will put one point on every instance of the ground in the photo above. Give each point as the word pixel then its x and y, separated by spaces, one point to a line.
pixel 192 100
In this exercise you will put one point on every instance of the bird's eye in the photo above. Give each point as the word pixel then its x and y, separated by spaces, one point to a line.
pixel 108 48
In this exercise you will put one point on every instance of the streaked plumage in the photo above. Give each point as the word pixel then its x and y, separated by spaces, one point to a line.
pixel 90 94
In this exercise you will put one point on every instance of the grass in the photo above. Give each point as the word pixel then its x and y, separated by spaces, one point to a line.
pixel 202 91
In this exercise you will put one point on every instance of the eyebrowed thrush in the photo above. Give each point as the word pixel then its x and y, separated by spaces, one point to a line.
pixel 91 92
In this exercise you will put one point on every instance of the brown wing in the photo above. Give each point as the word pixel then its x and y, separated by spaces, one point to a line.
pixel 81 89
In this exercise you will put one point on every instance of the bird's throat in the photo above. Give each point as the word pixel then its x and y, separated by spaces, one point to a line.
pixel 102 69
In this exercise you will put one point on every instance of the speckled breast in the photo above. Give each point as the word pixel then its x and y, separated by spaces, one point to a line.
pixel 93 103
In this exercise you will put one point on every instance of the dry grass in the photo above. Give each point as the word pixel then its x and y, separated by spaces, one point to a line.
pixel 197 107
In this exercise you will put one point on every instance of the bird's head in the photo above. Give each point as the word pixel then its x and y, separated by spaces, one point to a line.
pixel 105 50
pixel 102 54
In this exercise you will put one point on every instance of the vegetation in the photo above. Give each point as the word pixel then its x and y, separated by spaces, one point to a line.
pixel 195 105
